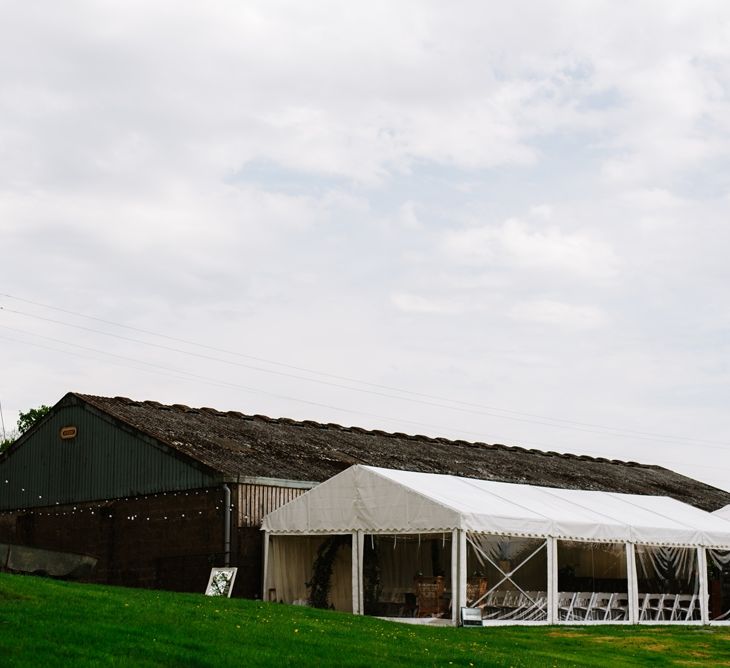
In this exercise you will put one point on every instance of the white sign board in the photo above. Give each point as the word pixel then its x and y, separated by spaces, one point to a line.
pixel 221 582
pixel 471 616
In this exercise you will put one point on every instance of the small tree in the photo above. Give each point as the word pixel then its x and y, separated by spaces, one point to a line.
pixel 25 421
pixel 31 416
pixel 9 439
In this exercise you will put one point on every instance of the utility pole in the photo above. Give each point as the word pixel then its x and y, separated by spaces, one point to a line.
pixel 2 420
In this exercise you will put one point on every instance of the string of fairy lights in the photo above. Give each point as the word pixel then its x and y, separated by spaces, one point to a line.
pixel 100 508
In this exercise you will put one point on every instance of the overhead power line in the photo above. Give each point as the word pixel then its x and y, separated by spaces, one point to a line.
pixel 138 365
pixel 322 382
pixel 409 396
pixel 185 375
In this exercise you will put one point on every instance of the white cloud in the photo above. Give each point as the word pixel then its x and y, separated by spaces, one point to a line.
pixel 521 245
pixel 542 211
pixel 652 199
pixel 405 219
pixel 558 313
pixel 412 303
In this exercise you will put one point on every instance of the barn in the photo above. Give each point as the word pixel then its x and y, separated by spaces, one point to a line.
pixel 158 494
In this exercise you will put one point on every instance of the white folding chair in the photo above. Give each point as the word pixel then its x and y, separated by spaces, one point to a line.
pixel 619 608
pixel 495 603
pixel 514 604
pixel 538 610
pixel 668 607
pixel 531 605
pixel 652 608
pixel 582 605
pixel 601 606
pixel 565 604
pixel 684 607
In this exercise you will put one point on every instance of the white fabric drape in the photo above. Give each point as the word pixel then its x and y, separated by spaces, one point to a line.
pixel 290 567
pixel 664 569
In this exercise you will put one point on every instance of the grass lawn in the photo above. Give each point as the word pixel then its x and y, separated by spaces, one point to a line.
pixel 49 623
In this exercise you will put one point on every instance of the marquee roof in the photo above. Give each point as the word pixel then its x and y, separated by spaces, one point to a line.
pixel 381 500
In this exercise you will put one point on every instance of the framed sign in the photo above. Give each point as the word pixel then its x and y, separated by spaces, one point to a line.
pixel 471 617
pixel 221 582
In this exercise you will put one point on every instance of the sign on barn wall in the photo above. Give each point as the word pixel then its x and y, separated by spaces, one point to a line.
pixel 67 433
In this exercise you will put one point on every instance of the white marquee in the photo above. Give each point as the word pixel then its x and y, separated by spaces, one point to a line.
pixel 485 520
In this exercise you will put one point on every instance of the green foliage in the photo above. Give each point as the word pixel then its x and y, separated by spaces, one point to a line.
pixel 321 582
pixel 50 623
pixel 371 578
pixel 30 417
pixel 25 421
pixel 6 442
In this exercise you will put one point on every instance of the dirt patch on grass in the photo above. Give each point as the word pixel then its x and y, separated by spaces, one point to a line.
pixel 657 647
pixel 703 652
pixel 566 634
pixel 639 642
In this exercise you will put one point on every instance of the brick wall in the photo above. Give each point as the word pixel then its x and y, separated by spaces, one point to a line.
pixel 165 541
pixel 174 549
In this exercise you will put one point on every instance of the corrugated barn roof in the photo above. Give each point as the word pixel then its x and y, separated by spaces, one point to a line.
pixel 239 445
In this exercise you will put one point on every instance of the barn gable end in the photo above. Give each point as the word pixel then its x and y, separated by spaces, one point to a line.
pixel 104 460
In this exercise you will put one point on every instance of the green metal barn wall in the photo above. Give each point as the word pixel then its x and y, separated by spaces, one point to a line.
pixel 103 461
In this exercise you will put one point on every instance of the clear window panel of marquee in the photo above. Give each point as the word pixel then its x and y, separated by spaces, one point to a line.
pixel 592 582
pixel 718 583
pixel 507 577
pixel 669 583
pixel 407 575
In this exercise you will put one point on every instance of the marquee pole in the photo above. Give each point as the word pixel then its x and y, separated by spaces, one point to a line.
pixel 552 582
pixel 633 583
pixel 704 587
pixel 356 574
pixel 265 583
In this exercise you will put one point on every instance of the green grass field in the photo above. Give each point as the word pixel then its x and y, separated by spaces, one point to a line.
pixel 49 623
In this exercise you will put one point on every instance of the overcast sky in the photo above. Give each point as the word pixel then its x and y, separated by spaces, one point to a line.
pixel 516 213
